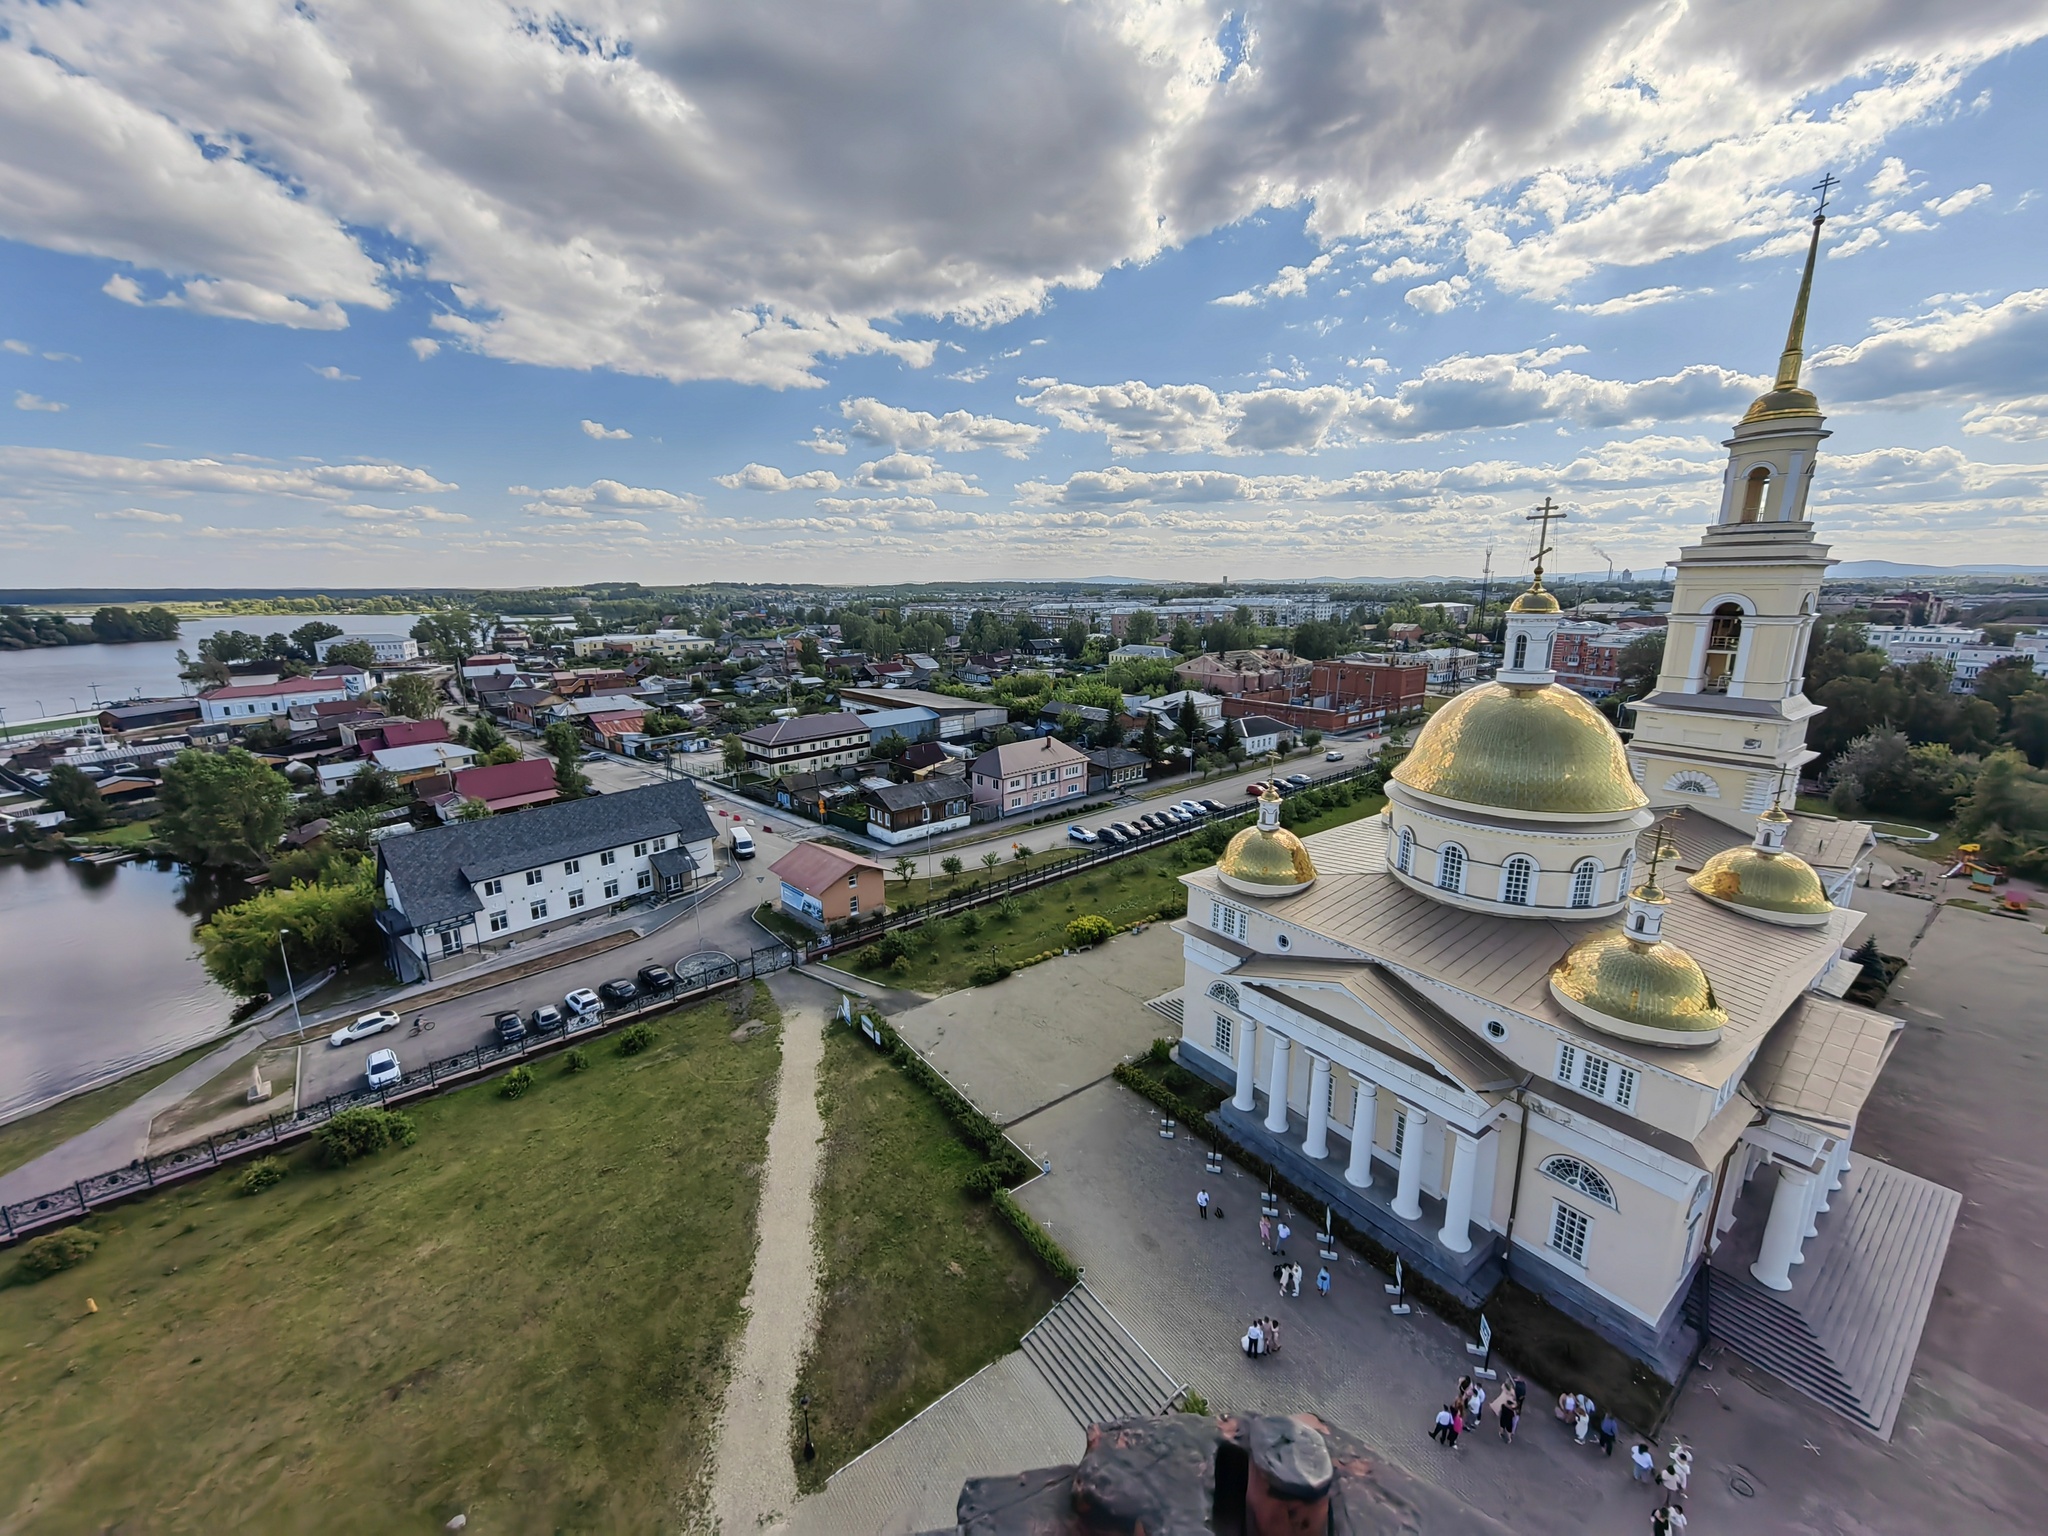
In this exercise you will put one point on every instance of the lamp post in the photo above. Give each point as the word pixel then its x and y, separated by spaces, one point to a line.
pixel 291 990
pixel 810 1450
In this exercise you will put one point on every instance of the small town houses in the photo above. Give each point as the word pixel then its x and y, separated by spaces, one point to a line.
pixel 921 809
pixel 1028 775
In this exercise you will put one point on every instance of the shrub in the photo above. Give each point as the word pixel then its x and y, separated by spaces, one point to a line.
pixel 1192 1401
pixel 988 973
pixel 1050 1254
pixel 575 1060
pixel 984 1181
pixel 634 1040
pixel 1160 1050
pixel 517 1081
pixel 53 1253
pixel 889 948
pixel 356 1133
pixel 260 1175
pixel 1092 929
pixel 1006 909
pixel 900 966
pixel 970 924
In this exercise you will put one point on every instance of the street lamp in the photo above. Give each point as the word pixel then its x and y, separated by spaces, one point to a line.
pixel 291 990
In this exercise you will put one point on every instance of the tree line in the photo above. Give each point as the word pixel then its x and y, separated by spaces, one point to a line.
pixel 23 630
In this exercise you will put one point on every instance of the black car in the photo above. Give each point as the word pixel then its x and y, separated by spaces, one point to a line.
pixel 1215 807
pixel 619 991
pixel 1110 835
pixel 511 1029
pixel 655 978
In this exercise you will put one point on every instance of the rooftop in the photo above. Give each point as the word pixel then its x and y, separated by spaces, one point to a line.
pixel 811 867
pixel 1026 757
pixel 284 685
pixel 803 728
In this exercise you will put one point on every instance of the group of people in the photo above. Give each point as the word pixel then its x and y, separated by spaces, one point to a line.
pixel 1578 1410
pixel 1468 1408
pixel 1289 1276
pixel 1262 1338
pixel 1675 1479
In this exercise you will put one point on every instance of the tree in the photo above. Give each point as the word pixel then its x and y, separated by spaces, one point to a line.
pixel 808 656
pixel 1141 627
pixel 503 752
pixel 2003 686
pixel 231 645
pixel 904 867
pixel 307 637
pixel 566 748
pixel 1074 640
pixel 412 695
pixel 1188 721
pixel 473 810
pixel 952 866
pixel 1639 663
pixel 482 735
pixel 352 653
pixel 1148 739
pixel 222 809
pixel 666 722
pixel 447 634
pixel 1233 741
pixel 2007 814
pixel 71 792
pixel 1312 739
pixel 735 753
pixel 116 626
pixel 1021 853
pixel 1318 640
pixel 369 788
pixel 2030 726
pixel 1185 640
pixel 990 860
pixel 329 922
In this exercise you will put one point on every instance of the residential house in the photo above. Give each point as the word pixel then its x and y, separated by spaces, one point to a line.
pixel 927 757
pixel 1025 775
pixel 910 725
pixel 509 786
pixel 958 718
pixel 609 727
pixel 671 643
pixel 588 682
pixel 921 809
pixel 818 791
pixel 148 715
pixel 1405 634
pixel 1052 716
pixel 1144 653
pixel 531 707
pixel 882 673
pixel 406 764
pixel 1208 707
pixel 1263 734
pixel 1587 657
pixel 246 703
pixel 922 668
pixel 1451 666
pixel 1967 653
pixel 355 679
pixel 1111 769
pixel 1247 671
pixel 394 733
pixel 507 877
pixel 385 648
pixel 823 885
pixel 495 664
pixel 1356 693
pixel 806 742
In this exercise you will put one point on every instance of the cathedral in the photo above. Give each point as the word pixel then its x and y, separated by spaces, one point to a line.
pixel 1570 1010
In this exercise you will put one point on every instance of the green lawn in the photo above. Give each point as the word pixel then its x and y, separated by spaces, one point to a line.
pixel 923 1285
pixel 33 1135
pixel 945 953
pixel 525 1318
pixel 127 835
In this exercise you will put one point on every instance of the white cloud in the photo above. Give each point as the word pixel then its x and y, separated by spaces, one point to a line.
pixel 765 477
pixel 232 299
pixel 599 430
pixel 1400 269
pixel 1642 298
pixel 64 470
pixel 910 472
pixel 921 432
pixel 334 374
pixel 360 512
pixel 869 505
pixel 2021 420
pixel 1992 355
pixel 583 503
pixel 1291 283
pixel 24 401
pixel 138 515
pixel 424 347
pixel 1436 298
pixel 21 347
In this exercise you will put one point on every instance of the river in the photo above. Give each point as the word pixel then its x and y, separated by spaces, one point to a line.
pixel 99 972
pixel 60 679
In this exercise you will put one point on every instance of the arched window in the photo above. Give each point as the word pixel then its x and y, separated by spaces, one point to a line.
pixel 1587 1180
pixel 1628 870
pixel 1585 882
pixel 1450 868
pixel 1753 488
pixel 1518 880
pixel 1224 993
pixel 1521 652
pixel 1404 852
pixel 1724 638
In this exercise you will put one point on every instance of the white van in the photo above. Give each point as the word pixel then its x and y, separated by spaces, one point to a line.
pixel 742 843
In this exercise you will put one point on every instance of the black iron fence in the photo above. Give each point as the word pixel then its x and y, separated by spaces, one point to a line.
pixel 24 1218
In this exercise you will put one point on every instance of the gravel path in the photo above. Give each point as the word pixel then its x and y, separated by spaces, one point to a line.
pixel 753 1480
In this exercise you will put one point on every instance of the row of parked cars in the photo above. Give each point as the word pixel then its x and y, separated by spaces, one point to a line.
pixel 1165 819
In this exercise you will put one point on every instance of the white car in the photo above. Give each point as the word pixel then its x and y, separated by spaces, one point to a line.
pixel 369 1024
pixel 1333 757
pixel 383 1069
pixel 1080 834
pixel 583 1003
pixel 1195 811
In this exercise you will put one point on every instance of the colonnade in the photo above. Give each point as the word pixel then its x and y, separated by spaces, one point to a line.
pixel 1800 1199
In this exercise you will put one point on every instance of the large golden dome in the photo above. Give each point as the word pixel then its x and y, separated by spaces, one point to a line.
pixel 1544 750
pixel 1266 859
pixel 1654 993
pixel 1535 600
pixel 1777 887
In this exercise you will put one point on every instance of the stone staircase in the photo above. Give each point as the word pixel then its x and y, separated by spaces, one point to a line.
pixel 1167 1004
pixel 1847 1331
pixel 1093 1365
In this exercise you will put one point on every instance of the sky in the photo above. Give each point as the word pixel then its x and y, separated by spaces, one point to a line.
pixel 473 293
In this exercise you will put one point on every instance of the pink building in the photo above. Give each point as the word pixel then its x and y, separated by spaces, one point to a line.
pixel 1027 774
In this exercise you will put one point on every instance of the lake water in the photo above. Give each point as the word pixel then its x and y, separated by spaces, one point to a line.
pixel 99 971
pixel 63 678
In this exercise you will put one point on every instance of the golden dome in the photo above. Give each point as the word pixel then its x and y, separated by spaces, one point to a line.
pixel 1266 859
pixel 1777 887
pixel 1544 750
pixel 1654 993
pixel 1535 600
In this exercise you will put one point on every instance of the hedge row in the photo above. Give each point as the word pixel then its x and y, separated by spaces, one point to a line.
pixel 1050 1253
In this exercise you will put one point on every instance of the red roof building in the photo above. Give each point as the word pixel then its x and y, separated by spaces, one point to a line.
pixel 509 786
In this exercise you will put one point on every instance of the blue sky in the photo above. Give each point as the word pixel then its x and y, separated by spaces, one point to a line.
pixel 449 294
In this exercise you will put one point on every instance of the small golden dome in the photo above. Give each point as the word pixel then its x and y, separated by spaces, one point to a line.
pixel 1653 993
pixel 1535 600
pixel 1777 887
pixel 1544 750
pixel 1266 859
pixel 1794 401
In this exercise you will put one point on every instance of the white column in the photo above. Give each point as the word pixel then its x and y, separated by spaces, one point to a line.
pixel 1365 1115
pixel 1247 1065
pixel 1276 1084
pixel 1783 1232
pixel 1831 1176
pixel 1457 1232
pixel 1408 1188
pixel 1318 1144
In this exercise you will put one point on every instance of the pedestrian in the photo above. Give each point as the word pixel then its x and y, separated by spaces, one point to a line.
pixel 1272 1335
pixel 1681 1464
pixel 1567 1407
pixel 1294 1281
pixel 1675 1514
pixel 1609 1428
pixel 1581 1425
pixel 1250 1342
pixel 1283 1232
pixel 1280 1274
pixel 1266 1233
pixel 1202 1203
pixel 1457 1426
pixel 1475 1405
pixel 1668 1481
pixel 1463 1390
pixel 1442 1432
pixel 1642 1461
pixel 1323 1282
pixel 1508 1416
pixel 1660 1521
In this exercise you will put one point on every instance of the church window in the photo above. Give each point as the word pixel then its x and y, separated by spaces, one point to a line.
pixel 1753 489
pixel 1628 868
pixel 1724 638
pixel 1404 851
pixel 1568 1230
pixel 1450 868
pixel 1224 993
pixel 1585 878
pixel 1400 1131
pixel 1693 784
pixel 1624 1088
pixel 1587 1180
pixel 1593 1077
pixel 1222 1035
pixel 1521 652
pixel 1226 920
pixel 1517 878
pixel 1567 1062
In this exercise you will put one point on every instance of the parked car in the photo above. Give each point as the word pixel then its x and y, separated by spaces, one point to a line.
pixel 367 1025
pixel 1333 757
pixel 593 757
pixel 1194 807
pixel 1109 837
pixel 1079 834
pixel 1298 780
pixel 742 843
pixel 547 1018
pixel 583 1003
pixel 1214 807
pixel 619 990
pixel 510 1027
pixel 1125 830
pixel 656 978
pixel 382 1069
pixel 1253 791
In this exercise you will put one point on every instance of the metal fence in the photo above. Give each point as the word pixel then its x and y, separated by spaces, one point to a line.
pixel 23 1218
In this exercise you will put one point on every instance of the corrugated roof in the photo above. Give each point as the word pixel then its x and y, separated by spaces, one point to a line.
pixel 803 728
pixel 285 685
pixel 1821 1062
pixel 1026 757
pixel 811 867
pixel 904 797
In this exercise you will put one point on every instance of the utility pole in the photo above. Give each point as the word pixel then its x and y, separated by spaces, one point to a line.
pixel 1485 592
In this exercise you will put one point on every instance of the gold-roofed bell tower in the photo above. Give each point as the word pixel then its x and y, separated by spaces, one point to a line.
pixel 1726 724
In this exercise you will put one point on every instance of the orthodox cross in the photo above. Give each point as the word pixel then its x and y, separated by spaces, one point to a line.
pixel 1827 184
pixel 1543 515
pixel 1660 852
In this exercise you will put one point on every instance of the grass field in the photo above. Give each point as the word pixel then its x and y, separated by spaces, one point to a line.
pixel 923 1285
pixel 524 1317
pixel 33 1135
pixel 126 835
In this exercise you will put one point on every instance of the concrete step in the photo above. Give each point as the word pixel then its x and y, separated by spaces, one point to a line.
pixel 1093 1365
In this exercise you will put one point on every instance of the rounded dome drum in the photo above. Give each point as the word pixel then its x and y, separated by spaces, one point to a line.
pixel 1776 887
pixel 1653 993
pixel 1544 751
pixel 1266 859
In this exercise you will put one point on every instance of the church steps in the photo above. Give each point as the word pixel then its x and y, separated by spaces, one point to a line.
pixel 1095 1368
